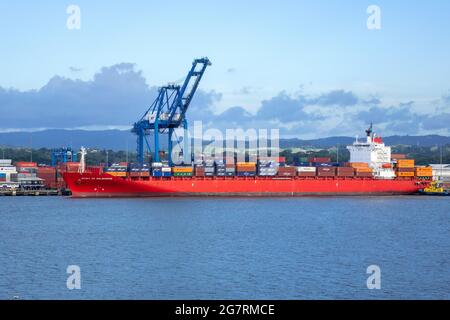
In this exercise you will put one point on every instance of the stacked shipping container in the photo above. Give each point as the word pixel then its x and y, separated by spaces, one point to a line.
pixel 267 167
pixel 405 168
pixel 246 169
pixel 362 169
pixel 424 173
pixel 182 171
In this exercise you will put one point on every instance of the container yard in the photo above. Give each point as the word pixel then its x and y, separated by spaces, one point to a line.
pixel 30 178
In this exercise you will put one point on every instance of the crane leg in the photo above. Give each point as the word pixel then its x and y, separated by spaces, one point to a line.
pixel 156 142
pixel 186 145
pixel 170 146
pixel 140 147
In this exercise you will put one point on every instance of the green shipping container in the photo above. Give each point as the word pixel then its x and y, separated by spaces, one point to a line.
pixel 182 174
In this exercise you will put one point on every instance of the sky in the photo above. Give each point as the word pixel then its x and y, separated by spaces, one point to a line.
pixel 310 68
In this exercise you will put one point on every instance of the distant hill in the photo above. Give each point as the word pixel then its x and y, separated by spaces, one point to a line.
pixel 120 140
pixel 423 141
pixel 105 139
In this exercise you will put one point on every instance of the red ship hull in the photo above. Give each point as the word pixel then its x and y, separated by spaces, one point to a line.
pixel 91 185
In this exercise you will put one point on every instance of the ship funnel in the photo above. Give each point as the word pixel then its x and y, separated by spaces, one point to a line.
pixel 369 133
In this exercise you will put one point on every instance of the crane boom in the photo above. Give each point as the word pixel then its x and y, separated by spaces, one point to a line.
pixel 194 76
pixel 168 111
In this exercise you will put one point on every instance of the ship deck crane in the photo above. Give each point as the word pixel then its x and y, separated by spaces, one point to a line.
pixel 168 112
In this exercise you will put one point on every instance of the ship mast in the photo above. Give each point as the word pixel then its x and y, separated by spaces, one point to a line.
pixel 82 166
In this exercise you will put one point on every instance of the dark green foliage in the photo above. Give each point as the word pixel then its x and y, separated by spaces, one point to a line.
pixel 43 155
pixel 422 155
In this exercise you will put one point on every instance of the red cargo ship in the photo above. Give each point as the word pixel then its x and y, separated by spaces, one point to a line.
pixel 96 184
pixel 369 177
pixel 370 171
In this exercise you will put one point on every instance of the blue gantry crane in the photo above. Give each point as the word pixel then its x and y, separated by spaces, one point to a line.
pixel 168 112
pixel 63 155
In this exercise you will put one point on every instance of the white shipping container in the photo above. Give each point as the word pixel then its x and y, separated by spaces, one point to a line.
pixel 166 169
pixel 11 169
pixel 306 169
pixel 157 165
pixel 5 162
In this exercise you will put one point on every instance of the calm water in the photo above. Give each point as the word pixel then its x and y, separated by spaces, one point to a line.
pixel 305 248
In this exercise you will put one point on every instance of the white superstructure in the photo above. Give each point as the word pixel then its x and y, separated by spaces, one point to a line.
pixel 374 152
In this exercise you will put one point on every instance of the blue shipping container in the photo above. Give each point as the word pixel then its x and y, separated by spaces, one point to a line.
pixel 246 174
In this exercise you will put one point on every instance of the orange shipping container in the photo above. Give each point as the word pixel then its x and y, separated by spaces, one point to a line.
pixel 118 174
pixel 424 172
pixel 245 168
pixel 405 174
pixel 246 164
pixel 405 163
pixel 182 169
pixel 364 170
pixel 139 174
pixel 359 164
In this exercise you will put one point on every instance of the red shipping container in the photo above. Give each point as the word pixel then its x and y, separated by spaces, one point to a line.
pixel 49 179
pixel 397 156
pixel 287 171
pixel 46 170
pixel 24 164
pixel 326 171
pixel 364 174
pixel 319 159
pixel 306 174
pixel 345 172
pixel 199 171
pixel 135 174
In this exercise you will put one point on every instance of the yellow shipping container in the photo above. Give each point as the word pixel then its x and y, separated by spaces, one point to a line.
pixel 424 172
pixel 182 169
pixel 405 174
pixel 405 163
